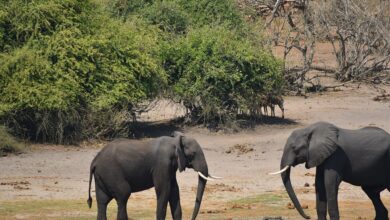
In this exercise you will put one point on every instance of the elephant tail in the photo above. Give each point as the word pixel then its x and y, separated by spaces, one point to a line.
pixel 89 201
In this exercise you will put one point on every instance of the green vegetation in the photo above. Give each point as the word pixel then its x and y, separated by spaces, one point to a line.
pixel 253 207
pixel 8 144
pixel 266 198
pixel 74 69
pixel 54 209
pixel 75 209
pixel 216 71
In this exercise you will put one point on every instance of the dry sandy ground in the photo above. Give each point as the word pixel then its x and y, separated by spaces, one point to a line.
pixel 61 173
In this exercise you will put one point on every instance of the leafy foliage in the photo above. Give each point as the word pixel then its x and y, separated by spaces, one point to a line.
pixel 21 21
pixel 122 8
pixel 8 144
pixel 207 12
pixel 176 15
pixel 216 71
pixel 50 83
pixel 74 69
pixel 169 16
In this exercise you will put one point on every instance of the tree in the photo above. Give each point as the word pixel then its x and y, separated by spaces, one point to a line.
pixel 357 30
pixel 359 33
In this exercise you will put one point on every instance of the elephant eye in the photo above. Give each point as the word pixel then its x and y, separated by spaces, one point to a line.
pixel 295 148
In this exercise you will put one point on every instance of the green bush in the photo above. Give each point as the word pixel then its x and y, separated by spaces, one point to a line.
pixel 52 83
pixel 169 16
pixel 122 8
pixel 8 144
pixel 75 69
pixel 216 71
pixel 175 15
pixel 215 12
pixel 21 21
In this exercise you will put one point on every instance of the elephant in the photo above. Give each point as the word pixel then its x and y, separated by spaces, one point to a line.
pixel 360 157
pixel 127 166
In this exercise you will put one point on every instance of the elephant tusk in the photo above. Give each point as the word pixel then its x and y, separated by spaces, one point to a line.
pixel 204 177
pixel 280 171
pixel 215 177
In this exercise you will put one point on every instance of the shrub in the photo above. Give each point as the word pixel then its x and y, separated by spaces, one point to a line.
pixel 21 21
pixel 215 72
pixel 74 69
pixel 52 82
pixel 168 16
pixel 8 144
pixel 123 8
pixel 215 12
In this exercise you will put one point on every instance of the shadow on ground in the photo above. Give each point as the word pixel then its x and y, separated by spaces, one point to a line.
pixel 246 122
pixel 167 127
pixel 154 129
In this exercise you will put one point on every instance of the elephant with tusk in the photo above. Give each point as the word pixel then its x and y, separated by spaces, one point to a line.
pixel 128 166
pixel 360 157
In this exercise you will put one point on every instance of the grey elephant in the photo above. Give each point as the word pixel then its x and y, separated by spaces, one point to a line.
pixel 127 166
pixel 360 157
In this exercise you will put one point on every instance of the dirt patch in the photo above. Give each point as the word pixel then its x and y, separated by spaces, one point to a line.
pixel 240 149
pixel 218 187
pixel 241 206
pixel 291 206
pixel 310 174
pixel 382 98
pixel 212 211
pixel 18 185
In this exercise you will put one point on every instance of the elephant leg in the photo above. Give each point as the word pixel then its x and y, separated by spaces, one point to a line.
pixel 174 201
pixel 122 212
pixel 332 182
pixel 321 201
pixel 374 194
pixel 163 191
pixel 123 193
pixel 102 200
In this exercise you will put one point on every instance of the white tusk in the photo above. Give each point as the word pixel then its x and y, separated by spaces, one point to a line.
pixel 280 171
pixel 215 177
pixel 204 177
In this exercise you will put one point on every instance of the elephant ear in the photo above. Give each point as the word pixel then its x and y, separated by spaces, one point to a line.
pixel 181 159
pixel 323 143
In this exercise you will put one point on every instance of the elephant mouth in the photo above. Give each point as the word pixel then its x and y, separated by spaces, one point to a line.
pixel 301 159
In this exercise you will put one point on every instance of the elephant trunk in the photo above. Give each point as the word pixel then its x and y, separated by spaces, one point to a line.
pixel 290 191
pixel 201 186
pixel 199 195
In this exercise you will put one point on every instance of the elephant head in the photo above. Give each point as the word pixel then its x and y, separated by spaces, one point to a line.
pixel 190 155
pixel 310 145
